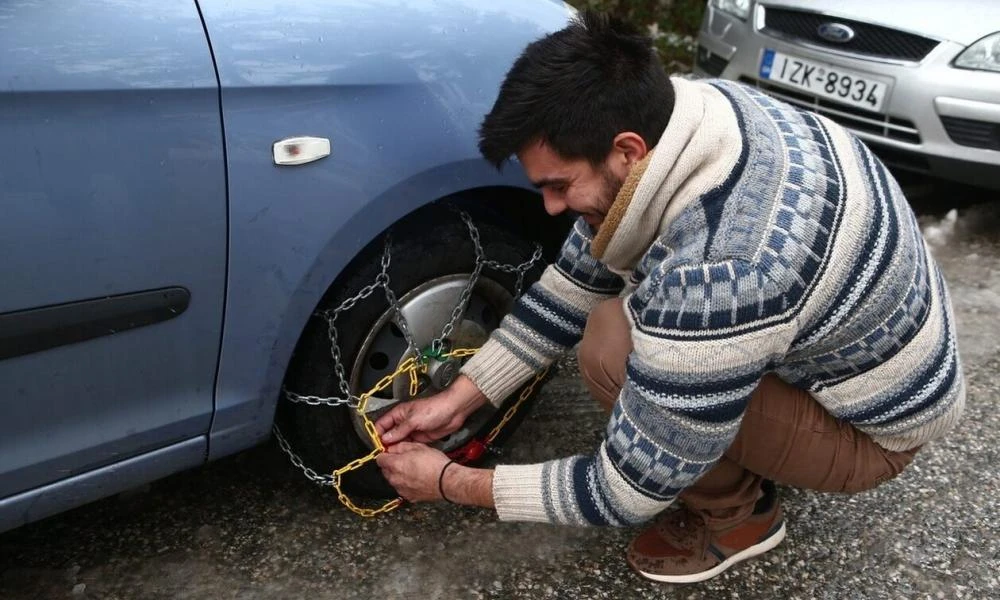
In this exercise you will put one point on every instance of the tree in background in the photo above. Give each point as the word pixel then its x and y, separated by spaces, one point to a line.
pixel 672 23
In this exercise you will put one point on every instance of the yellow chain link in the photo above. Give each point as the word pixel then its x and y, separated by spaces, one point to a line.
pixel 411 367
pixel 513 409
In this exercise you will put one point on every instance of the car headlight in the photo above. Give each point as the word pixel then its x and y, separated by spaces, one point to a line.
pixel 984 55
pixel 737 8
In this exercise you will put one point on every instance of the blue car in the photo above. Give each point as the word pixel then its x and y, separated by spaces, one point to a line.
pixel 219 217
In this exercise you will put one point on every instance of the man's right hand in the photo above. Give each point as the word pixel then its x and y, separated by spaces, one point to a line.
pixel 430 419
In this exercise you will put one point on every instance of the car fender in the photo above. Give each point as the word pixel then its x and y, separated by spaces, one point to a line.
pixel 399 91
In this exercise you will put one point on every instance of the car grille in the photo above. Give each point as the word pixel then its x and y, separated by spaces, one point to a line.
pixel 869 40
pixel 853 118
pixel 976 134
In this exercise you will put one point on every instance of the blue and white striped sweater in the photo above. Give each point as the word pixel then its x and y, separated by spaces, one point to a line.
pixel 757 238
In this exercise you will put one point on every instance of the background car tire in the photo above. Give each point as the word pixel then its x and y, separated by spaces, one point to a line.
pixel 433 244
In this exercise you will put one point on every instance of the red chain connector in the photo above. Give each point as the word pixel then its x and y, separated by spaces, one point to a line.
pixel 470 452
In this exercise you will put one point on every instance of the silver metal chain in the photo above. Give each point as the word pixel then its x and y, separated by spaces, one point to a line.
pixel 463 300
pixel 311 475
pixel 317 400
pixel 382 282
pixel 519 270
pixel 438 345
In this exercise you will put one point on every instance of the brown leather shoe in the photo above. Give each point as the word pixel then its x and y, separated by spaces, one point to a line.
pixel 679 548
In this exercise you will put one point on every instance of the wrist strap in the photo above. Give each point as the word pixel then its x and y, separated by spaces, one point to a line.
pixel 441 481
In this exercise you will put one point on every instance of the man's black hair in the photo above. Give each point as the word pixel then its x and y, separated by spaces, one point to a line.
pixel 576 89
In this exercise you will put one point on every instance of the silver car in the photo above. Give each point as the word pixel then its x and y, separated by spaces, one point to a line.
pixel 919 81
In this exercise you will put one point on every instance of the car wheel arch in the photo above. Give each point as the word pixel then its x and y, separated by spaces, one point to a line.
pixel 504 206
pixel 245 409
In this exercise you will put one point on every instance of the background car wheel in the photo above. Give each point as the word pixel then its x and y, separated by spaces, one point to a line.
pixel 432 257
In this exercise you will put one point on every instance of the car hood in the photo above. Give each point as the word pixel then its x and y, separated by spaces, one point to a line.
pixel 962 21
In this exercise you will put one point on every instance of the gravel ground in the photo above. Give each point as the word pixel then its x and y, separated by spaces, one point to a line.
pixel 249 527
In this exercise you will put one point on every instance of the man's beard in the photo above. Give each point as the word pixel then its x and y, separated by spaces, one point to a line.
pixel 610 187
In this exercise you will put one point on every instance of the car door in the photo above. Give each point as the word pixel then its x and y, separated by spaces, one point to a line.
pixel 112 234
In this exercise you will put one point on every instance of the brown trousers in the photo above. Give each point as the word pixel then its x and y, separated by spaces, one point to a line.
pixel 785 435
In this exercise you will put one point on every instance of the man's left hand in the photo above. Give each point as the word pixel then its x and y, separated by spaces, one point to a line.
pixel 413 469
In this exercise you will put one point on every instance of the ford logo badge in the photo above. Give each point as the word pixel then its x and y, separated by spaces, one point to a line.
pixel 835 32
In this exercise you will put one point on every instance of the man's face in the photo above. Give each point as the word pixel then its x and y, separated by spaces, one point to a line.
pixel 574 185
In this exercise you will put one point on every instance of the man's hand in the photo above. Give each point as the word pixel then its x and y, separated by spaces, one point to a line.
pixel 430 419
pixel 413 469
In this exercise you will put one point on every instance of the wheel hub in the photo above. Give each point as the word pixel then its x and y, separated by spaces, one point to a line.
pixel 442 373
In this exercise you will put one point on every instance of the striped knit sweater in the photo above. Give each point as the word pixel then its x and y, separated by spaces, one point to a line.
pixel 755 238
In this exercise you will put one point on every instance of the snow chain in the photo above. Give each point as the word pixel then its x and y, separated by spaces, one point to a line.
pixel 410 367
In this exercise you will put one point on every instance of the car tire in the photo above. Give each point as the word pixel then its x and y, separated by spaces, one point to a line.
pixel 432 249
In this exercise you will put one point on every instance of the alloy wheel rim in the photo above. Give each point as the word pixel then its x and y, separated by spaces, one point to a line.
pixel 426 309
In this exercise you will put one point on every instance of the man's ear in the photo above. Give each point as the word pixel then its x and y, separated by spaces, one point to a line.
pixel 630 148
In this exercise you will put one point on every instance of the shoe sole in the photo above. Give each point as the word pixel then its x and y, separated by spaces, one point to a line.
pixel 755 550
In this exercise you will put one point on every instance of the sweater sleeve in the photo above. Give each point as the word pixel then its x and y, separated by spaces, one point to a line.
pixel 546 321
pixel 702 338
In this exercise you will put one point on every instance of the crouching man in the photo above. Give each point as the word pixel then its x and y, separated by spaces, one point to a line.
pixel 755 302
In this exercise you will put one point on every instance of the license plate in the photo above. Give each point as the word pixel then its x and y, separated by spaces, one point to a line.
pixel 826 81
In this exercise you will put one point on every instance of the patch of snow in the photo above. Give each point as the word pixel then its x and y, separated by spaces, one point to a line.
pixel 939 233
